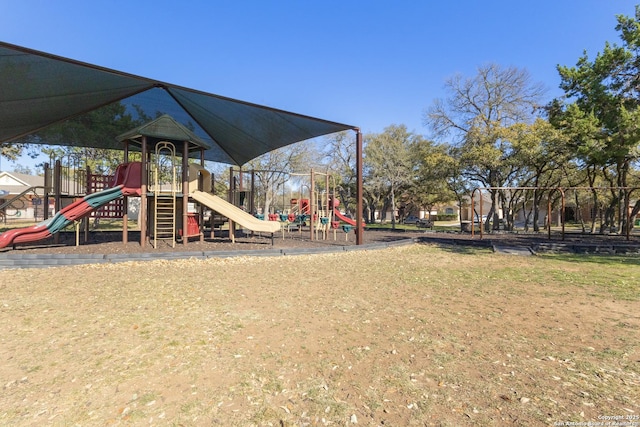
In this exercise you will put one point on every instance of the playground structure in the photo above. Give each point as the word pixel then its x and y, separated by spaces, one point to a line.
pixel 557 196
pixel 58 89
pixel 64 182
pixel 314 210
pixel 172 194
pixel 163 205
pixel 319 209
pixel 126 182
pixel 79 195
pixel 167 210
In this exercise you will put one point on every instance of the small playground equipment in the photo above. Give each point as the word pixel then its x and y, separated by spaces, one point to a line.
pixel 243 193
pixel 66 180
pixel 311 208
pixel 126 182
pixel 319 208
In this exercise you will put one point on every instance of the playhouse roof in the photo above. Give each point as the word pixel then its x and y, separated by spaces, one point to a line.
pixel 164 128
pixel 39 89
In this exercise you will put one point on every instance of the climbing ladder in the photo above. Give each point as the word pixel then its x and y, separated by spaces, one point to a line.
pixel 165 218
pixel 164 189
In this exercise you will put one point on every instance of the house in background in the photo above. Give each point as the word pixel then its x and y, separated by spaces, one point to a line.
pixel 444 211
pixel 25 194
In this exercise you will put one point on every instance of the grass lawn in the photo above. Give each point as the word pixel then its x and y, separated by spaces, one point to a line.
pixel 413 335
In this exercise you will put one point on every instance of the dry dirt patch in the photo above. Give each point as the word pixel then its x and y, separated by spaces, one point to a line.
pixel 413 335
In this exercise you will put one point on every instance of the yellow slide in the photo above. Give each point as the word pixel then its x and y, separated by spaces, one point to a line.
pixel 234 213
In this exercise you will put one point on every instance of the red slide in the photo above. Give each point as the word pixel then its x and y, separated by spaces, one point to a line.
pixel 74 212
pixel 343 218
pixel 126 183
pixel 27 234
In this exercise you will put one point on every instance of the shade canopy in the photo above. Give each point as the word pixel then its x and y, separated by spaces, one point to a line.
pixel 39 89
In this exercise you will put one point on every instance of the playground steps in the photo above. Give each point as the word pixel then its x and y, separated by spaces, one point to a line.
pixel 165 218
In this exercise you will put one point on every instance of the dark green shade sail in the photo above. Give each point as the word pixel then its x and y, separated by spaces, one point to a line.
pixel 39 89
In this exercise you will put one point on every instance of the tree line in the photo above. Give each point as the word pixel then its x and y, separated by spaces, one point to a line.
pixel 493 130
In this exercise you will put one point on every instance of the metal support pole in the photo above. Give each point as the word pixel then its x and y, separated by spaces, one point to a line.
pixel 328 213
pixel 142 216
pixel 312 207
pixel 125 202
pixel 185 192
pixel 252 200
pixel 359 190
pixel 232 189
pixel 87 190
pixel 201 211
pixel 47 191
pixel 57 189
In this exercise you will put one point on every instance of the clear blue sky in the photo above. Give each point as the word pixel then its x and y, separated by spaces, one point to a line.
pixel 368 63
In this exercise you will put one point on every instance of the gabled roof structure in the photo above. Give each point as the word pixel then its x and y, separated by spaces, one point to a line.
pixel 38 89
pixel 164 128
pixel 16 183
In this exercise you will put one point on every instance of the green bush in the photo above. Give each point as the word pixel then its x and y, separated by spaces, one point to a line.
pixel 444 217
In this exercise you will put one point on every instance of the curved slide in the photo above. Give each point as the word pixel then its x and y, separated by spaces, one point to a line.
pixel 341 217
pixel 344 218
pixel 234 213
pixel 126 185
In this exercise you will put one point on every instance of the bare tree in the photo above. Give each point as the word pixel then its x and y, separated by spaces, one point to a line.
pixel 474 116
pixel 340 159
pixel 272 169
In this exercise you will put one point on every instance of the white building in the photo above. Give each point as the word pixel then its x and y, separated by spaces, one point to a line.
pixel 25 194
